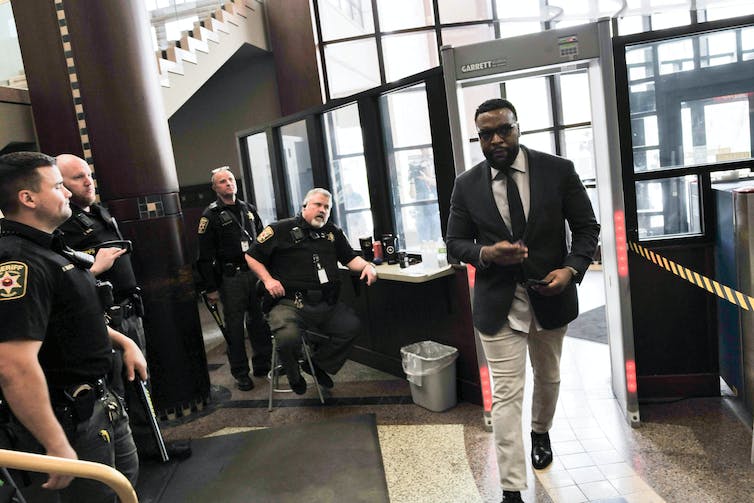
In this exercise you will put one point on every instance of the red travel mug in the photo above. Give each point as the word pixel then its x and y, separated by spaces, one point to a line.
pixel 377 249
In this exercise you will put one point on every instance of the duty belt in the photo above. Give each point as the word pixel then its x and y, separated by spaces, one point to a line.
pixel 231 269
pixel 309 296
pixel 71 393
pixel 127 308
pixel 75 404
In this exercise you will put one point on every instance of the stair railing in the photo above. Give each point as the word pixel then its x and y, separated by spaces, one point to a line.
pixel 71 467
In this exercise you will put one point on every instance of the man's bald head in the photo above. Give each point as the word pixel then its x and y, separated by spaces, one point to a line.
pixel 77 177
pixel 69 161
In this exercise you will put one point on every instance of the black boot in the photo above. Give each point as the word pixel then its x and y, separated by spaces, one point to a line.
pixel 323 379
pixel 244 382
pixel 296 380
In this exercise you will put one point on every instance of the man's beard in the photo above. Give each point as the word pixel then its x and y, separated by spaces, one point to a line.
pixel 82 202
pixel 497 163
pixel 317 223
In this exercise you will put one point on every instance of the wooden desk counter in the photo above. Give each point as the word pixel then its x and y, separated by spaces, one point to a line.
pixel 412 274
pixel 412 305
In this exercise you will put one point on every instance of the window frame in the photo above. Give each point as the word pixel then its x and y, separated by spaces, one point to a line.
pixel 495 21
pixel 371 122
pixel 701 171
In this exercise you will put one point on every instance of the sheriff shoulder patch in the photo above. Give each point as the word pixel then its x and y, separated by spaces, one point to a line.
pixel 203 223
pixel 266 234
pixel 13 280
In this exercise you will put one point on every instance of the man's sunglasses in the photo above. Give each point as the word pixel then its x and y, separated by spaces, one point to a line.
pixel 503 131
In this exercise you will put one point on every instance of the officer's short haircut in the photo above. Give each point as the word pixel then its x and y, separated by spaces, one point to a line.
pixel 317 190
pixel 217 170
pixel 18 171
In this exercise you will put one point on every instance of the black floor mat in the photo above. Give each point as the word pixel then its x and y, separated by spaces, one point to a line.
pixel 330 461
pixel 590 325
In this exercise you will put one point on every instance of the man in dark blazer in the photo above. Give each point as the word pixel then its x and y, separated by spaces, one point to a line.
pixel 508 218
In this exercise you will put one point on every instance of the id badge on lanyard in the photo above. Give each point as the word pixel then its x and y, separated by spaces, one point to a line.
pixel 321 273
pixel 244 245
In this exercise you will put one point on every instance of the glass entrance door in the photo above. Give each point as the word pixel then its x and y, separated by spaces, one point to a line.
pixel 689 101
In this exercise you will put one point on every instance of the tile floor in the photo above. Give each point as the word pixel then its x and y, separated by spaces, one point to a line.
pixel 683 451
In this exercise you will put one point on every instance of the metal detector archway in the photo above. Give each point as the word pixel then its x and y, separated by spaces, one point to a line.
pixel 587 47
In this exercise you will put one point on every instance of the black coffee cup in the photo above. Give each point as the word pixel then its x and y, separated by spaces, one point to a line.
pixel 403 259
pixel 366 248
pixel 389 246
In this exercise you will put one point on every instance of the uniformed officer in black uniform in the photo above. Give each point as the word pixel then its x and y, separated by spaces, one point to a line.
pixel 297 260
pixel 55 348
pixel 89 227
pixel 226 230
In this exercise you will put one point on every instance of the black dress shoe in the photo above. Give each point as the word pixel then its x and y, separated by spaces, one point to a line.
pixel 261 372
pixel 298 387
pixel 541 452
pixel 323 379
pixel 512 497
pixel 244 383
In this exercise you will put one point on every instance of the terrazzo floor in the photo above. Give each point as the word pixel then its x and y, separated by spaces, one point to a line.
pixel 683 451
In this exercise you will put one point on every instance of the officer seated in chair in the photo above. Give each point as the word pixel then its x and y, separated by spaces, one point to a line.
pixel 297 261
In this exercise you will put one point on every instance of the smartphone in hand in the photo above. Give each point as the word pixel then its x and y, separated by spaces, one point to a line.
pixel 529 283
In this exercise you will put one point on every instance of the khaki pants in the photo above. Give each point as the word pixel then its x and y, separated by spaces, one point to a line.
pixel 506 356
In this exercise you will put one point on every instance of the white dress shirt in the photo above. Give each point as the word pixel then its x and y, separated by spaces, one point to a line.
pixel 520 315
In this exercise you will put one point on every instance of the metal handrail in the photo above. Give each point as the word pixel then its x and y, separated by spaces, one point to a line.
pixel 72 467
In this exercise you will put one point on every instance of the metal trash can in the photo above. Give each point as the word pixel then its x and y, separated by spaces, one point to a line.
pixel 430 368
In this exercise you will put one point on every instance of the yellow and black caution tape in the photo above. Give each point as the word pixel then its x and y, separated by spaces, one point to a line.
pixel 724 292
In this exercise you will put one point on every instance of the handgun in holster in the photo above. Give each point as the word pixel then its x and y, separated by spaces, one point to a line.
pixel 82 399
pixel 137 302
pixel 114 316
pixel 266 301
pixel 105 294
pixel 113 312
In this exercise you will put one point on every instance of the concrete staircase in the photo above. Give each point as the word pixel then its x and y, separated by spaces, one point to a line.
pixel 189 62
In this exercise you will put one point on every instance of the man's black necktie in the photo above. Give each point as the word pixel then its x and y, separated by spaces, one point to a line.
pixel 515 206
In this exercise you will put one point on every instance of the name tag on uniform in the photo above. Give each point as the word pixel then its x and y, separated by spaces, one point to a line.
pixel 244 245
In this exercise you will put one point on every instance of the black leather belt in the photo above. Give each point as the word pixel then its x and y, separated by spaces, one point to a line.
pixel 230 269
pixel 127 308
pixel 307 296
